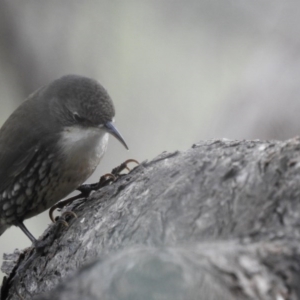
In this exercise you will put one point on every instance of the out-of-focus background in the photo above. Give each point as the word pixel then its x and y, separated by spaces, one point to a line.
pixel 178 71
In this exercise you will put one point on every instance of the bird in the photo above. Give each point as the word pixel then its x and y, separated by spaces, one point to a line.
pixel 50 145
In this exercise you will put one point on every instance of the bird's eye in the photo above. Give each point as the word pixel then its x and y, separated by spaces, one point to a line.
pixel 78 118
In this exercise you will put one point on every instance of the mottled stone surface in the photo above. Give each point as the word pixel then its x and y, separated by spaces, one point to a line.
pixel 226 211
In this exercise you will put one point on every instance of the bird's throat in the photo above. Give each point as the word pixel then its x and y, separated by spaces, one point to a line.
pixel 83 148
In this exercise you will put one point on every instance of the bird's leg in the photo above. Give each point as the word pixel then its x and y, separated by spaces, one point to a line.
pixel 38 245
pixel 104 180
pixel 86 189
pixel 27 232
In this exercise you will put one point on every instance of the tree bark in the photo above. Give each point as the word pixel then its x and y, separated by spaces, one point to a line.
pixel 218 221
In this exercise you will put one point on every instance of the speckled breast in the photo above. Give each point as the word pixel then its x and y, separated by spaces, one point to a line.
pixel 40 186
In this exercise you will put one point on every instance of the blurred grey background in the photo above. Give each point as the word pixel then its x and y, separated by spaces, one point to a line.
pixel 178 71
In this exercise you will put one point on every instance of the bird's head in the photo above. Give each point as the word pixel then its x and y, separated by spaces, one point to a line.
pixel 81 102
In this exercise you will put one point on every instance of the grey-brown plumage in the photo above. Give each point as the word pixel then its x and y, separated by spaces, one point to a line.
pixel 50 145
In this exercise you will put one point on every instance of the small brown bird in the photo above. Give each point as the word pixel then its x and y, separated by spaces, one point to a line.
pixel 50 145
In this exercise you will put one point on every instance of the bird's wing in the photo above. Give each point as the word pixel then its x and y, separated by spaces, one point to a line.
pixel 18 146
pixel 15 161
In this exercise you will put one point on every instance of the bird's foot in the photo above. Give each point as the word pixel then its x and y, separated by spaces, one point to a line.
pixel 61 204
pixel 106 179
pixel 86 189
pixel 62 219
pixel 117 171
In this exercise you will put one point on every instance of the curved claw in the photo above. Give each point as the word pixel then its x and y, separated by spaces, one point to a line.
pixel 62 204
pixel 63 215
pixel 108 176
pixel 131 160
pixel 51 211
pixel 61 221
pixel 69 213
pixel 116 171
pixel 105 180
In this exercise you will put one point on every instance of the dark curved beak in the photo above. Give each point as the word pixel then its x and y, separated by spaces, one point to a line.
pixel 110 127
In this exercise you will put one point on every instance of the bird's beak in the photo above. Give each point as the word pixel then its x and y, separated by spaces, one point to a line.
pixel 110 127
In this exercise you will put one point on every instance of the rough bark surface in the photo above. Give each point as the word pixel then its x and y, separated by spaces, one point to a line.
pixel 218 221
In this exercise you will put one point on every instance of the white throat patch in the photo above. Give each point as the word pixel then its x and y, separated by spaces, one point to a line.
pixel 85 145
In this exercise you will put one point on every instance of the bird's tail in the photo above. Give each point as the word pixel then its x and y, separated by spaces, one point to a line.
pixel 3 228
